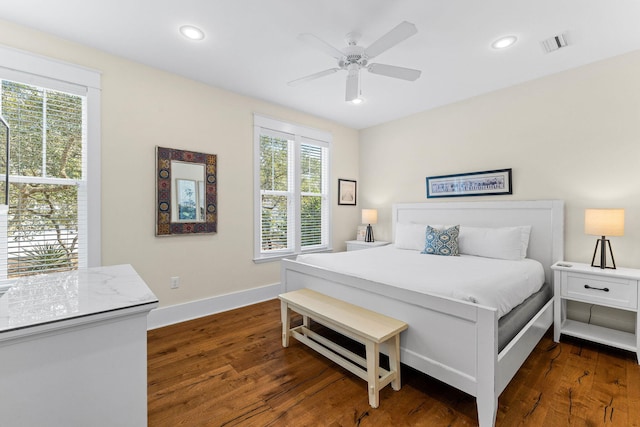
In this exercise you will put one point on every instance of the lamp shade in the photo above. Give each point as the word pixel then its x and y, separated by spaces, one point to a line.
pixel 369 216
pixel 604 222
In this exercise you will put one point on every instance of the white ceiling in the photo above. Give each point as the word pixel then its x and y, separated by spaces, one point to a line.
pixel 251 46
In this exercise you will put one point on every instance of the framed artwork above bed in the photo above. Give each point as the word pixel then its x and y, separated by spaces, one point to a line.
pixel 483 183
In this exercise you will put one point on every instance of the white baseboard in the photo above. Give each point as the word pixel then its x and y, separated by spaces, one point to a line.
pixel 172 314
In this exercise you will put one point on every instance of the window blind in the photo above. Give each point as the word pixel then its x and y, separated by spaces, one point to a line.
pixel 276 187
pixel 313 203
pixel 47 201
pixel 292 200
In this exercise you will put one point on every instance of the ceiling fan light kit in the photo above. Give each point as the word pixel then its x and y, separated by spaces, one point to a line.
pixel 354 58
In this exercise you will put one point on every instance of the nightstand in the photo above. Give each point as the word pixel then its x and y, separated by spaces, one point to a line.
pixel 617 289
pixel 356 245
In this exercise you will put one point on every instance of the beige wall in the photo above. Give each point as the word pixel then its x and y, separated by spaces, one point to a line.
pixel 573 136
pixel 143 107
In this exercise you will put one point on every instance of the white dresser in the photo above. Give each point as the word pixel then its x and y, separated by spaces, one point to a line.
pixel 73 349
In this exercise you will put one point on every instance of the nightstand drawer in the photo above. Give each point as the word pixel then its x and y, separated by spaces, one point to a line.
pixel 608 291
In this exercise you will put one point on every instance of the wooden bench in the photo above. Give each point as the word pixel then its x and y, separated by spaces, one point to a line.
pixel 365 326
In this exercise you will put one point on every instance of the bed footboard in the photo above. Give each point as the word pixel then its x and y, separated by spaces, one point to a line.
pixel 469 362
pixel 424 346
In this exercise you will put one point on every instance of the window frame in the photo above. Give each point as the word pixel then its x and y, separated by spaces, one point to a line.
pixel 49 73
pixel 299 135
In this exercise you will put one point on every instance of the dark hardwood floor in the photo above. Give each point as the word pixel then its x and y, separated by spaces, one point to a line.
pixel 230 369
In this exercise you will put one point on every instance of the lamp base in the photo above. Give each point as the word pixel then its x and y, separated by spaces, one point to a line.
pixel 369 236
pixel 603 243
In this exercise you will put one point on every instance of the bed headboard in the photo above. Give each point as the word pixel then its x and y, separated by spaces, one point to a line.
pixel 546 218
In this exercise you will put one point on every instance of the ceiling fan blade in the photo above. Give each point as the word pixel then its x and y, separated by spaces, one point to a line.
pixel 313 76
pixel 401 32
pixel 353 84
pixel 321 45
pixel 393 71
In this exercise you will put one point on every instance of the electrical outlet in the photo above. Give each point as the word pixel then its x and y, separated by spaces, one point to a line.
pixel 175 282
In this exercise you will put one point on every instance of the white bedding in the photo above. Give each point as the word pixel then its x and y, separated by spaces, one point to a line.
pixel 502 284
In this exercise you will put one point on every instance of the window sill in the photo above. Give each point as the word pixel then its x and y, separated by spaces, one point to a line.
pixel 270 258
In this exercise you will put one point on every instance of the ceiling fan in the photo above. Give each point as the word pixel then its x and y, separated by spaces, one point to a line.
pixel 353 58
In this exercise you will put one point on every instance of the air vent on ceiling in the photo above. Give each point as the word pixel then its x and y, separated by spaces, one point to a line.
pixel 556 42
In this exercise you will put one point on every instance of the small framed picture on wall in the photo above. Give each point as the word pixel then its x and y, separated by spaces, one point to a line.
pixel 346 192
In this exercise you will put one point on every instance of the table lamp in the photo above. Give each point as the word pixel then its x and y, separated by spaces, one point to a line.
pixel 603 222
pixel 369 216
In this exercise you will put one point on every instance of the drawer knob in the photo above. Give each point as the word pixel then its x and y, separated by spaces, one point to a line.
pixel 596 289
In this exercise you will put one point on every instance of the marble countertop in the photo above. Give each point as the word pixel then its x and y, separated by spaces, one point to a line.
pixel 47 301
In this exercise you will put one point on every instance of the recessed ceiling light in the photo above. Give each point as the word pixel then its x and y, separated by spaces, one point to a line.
pixel 504 42
pixel 191 32
pixel 356 101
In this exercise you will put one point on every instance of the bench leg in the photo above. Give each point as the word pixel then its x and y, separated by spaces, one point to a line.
pixel 306 322
pixel 285 315
pixel 373 364
pixel 393 347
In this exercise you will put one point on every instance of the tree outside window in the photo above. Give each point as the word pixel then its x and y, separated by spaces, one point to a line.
pixel 292 171
pixel 46 167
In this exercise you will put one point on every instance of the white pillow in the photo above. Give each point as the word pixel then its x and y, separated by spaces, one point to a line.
pixel 410 236
pixel 525 233
pixel 503 243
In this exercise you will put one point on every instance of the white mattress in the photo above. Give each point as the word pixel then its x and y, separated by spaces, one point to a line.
pixel 501 284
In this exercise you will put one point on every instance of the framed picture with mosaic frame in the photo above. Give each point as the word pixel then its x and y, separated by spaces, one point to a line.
pixel 197 173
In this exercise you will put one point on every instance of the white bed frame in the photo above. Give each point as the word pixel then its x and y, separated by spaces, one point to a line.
pixel 452 340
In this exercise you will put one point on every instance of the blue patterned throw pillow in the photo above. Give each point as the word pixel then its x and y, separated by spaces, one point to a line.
pixel 442 242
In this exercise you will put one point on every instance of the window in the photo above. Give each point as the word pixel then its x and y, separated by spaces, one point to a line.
pixel 291 189
pixel 54 144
